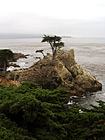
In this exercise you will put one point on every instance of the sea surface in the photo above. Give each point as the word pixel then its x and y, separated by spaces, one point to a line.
pixel 89 53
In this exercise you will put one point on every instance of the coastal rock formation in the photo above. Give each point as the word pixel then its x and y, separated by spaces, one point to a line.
pixel 63 72
pixel 19 55
pixel 7 82
pixel 13 64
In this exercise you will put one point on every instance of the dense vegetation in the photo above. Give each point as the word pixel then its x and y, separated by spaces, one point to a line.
pixel 30 113
pixel 5 56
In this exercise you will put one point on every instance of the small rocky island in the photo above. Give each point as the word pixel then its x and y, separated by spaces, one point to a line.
pixel 63 72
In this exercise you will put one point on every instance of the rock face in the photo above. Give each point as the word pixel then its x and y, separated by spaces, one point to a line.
pixel 63 72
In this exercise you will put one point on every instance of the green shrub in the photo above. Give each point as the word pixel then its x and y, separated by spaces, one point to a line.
pixel 30 113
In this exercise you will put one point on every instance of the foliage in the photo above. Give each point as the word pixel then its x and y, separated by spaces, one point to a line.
pixel 30 113
pixel 5 56
pixel 40 51
pixel 55 43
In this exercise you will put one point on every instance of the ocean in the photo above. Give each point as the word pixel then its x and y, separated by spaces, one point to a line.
pixel 89 53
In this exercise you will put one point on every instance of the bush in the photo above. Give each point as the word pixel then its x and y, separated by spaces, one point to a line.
pixel 30 113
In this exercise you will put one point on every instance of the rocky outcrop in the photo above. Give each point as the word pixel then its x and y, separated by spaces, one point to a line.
pixel 18 56
pixel 7 82
pixel 13 64
pixel 63 72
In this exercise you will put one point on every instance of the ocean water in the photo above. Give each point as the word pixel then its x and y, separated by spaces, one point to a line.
pixel 89 53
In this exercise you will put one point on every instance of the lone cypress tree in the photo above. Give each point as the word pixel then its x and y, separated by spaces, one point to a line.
pixel 55 43
pixel 5 56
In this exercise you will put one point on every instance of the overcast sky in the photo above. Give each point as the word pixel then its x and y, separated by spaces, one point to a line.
pixel 80 18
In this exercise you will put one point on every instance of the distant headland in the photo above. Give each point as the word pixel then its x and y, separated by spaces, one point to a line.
pixel 19 36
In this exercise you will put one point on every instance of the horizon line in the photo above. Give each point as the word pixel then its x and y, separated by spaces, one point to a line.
pixel 32 35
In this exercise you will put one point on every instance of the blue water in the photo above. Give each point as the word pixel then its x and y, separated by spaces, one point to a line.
pixel 89 53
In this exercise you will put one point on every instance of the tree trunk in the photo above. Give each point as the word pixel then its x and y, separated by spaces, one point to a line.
pixel 4 68
pixel 54 54
pixel 43 54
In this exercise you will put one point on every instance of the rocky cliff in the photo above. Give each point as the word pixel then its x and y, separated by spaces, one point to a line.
pixel 63 72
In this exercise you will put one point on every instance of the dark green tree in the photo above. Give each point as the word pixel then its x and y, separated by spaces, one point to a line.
pixel 55 43
pixel 6 55
pixel 31 113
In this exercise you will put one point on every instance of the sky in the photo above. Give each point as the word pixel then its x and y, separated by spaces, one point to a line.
pixel 77 18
